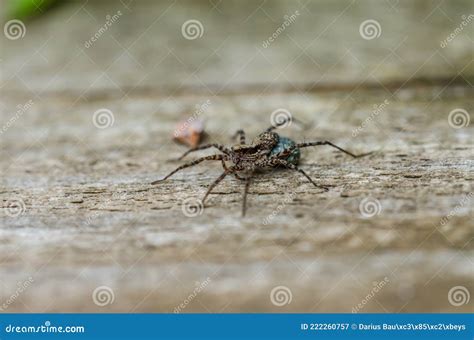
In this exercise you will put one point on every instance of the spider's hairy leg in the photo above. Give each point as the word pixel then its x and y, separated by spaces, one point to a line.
pixel 233 171
pixel 244 199
pixel 187 165
pixel 239 177
pixel 304 145
pixel 213 184
pixel 219 147
pixel 282 162
pixel 241 134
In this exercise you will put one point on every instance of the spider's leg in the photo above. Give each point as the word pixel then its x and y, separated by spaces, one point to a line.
pixel 207 146
pixel 247 183
pixel 224 165
pixel 239 177
pixel 232 171
pixel 304 145
pixel 241 134
pixel 244 200
pixel 187 165
pixel 276 161
pixel 213 184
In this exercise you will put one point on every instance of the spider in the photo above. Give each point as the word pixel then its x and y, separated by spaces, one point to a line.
pixel 268 150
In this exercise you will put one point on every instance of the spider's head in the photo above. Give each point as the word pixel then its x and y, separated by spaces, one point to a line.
pixel 264 142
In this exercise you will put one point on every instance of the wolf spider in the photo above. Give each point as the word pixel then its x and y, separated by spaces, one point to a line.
pixel 268 150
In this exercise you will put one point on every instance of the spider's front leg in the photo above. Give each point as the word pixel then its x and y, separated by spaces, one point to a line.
pixel 187 165
pixel 304 145
pixel 233 172
pixel 286 164
pixel 241 134
pixel 246 188
pixel 219 147
pixel 213 184
pixel 244 199
pixel 219 179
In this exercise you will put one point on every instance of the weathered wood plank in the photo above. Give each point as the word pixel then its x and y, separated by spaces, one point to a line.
pixel 92 218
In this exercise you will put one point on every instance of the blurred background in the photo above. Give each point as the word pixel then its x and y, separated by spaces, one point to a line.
pixel 91 93
pixel 142 46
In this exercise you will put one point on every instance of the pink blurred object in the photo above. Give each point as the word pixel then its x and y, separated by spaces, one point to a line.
pixel 189 132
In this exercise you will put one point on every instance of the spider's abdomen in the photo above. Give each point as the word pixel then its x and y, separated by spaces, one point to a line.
pixel 283 144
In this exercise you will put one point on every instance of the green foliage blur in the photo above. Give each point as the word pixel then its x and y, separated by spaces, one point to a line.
pixel 27 9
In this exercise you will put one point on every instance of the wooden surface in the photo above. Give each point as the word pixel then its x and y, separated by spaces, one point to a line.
pixel 91 218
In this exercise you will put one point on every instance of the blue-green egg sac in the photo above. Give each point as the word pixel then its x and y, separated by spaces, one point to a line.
pixel 285 143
